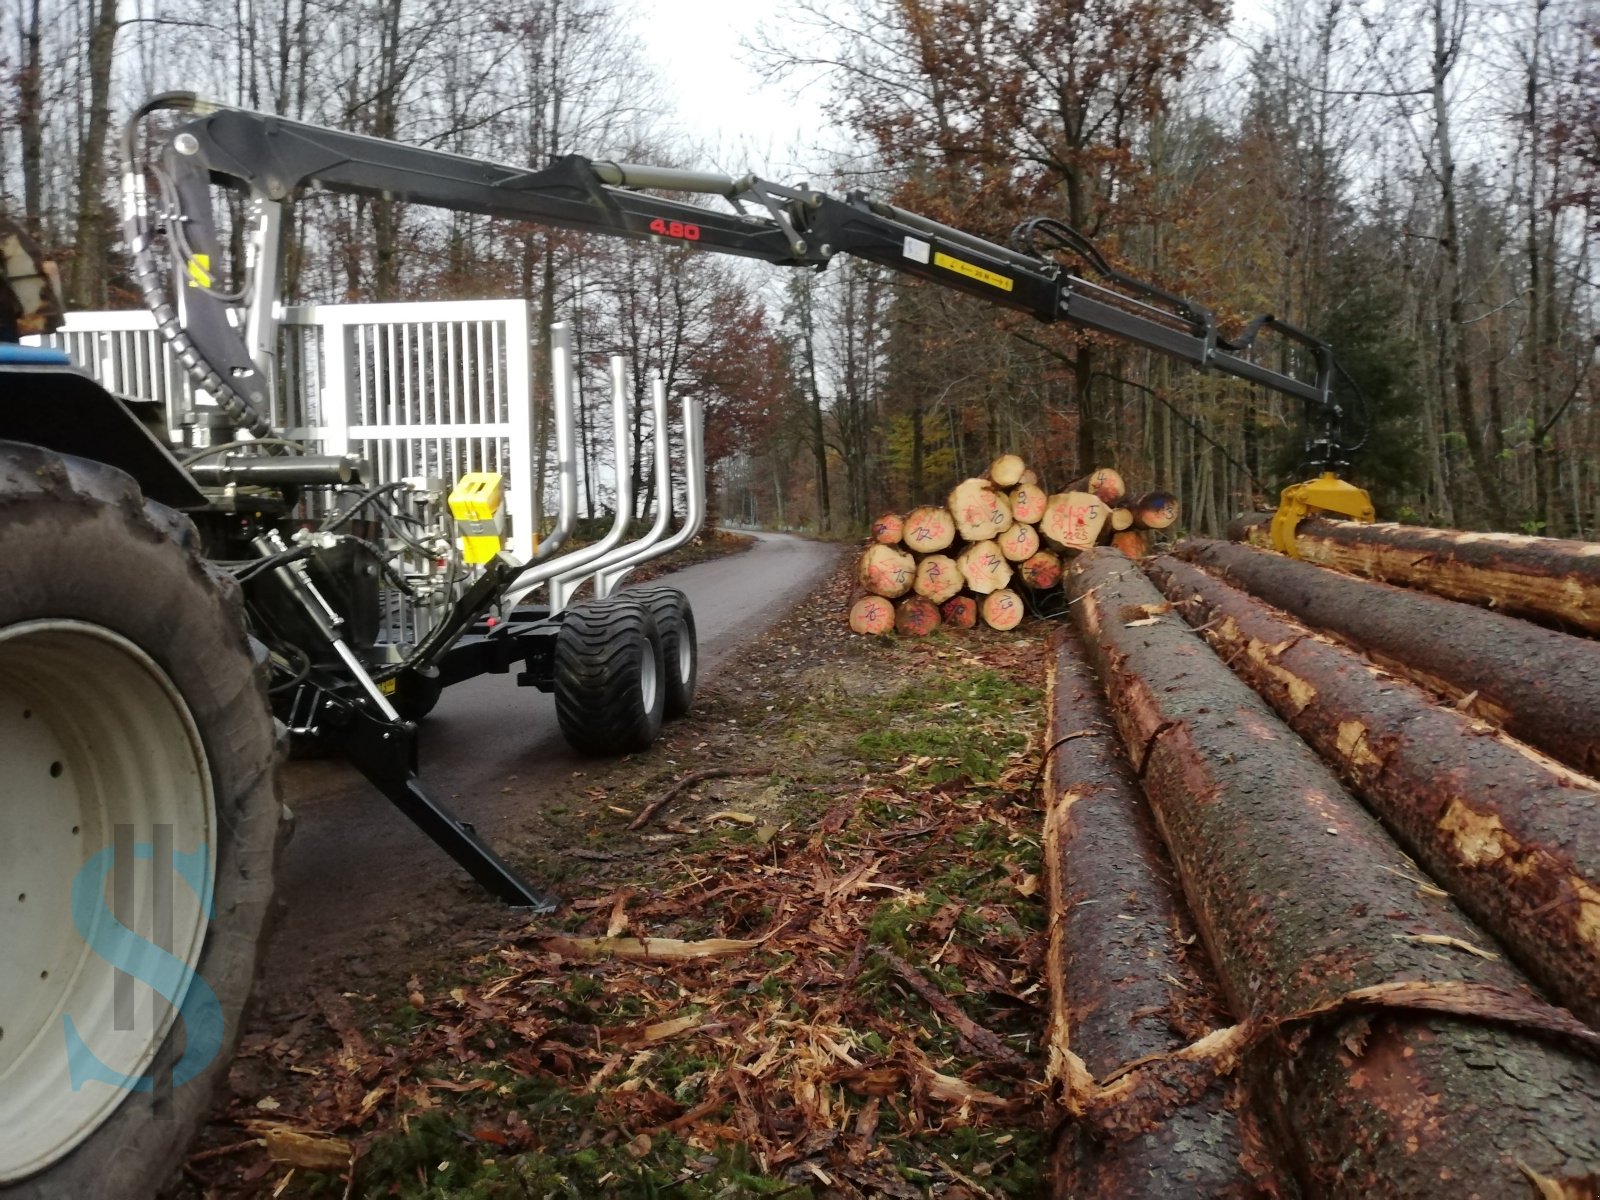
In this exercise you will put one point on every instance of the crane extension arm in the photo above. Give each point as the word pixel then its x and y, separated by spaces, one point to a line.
pixel 270 158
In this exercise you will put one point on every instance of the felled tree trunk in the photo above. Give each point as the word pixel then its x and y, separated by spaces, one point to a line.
pixel 871 614
pixel 984 567
pixel 887 529
pixel 1513 836
pixel 1002 609
pixel 886 571
pixel 1072 520
pixel 1123 983
pixel 1293 887
pixel 928 529
pixel 980 509
pixel 916 616
pixel 1540 686
pixel 1547 579
pixel 938 578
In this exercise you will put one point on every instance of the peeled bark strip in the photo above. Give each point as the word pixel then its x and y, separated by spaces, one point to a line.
pixel 887 529
pixel 1002 609
pixel 1156 510
pixel 886 571
pixel 1072 520
pixel 928 529
pixel 916 616
pixel 960 612
pixel 1294 888
pixel 1547 579
pixel 980 509
pixel 984 567
pixel 1122 982
pixel 872 614
pixel 1007 470
pixel 1512 835
pixel 1019 543
pixel 1041 572
pixel 1104 483
pixel 938 578
pixel 1540 686
pixel 1027 503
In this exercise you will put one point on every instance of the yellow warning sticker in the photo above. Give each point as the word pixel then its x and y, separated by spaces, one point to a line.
pixel 388 686
pixel 200 270
pixel 971 271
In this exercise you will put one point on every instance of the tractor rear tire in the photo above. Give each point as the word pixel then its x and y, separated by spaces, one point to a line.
pixel 679 648
pixel 133 724
pixel 608 677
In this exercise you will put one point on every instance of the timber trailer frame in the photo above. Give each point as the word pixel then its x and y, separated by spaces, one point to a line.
pixel 202 574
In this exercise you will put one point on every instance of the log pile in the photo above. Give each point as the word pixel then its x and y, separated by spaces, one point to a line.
pixel 994 548
pixel 1378 1028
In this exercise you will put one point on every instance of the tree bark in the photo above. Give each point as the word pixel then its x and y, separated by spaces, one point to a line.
pixel 87 279
pixel 1547 579
pixel 1124 981
pixel 1513 836
pixel 1540 686
pixel 1289 881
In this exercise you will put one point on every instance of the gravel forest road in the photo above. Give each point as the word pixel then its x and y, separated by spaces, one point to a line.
pixel 358 882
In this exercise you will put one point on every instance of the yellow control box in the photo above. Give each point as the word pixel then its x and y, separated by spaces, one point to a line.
pixel 476 505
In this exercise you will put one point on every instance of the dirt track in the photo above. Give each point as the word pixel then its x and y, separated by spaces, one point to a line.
pixel 361 886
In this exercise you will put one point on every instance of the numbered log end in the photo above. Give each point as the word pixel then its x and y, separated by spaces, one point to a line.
pixel 981 510
pixel 916 616
pixel 1041 572
pixel 960 612
pixel 872 615
pixel 1007 470
pixel 1103 483
pixel 929 529
pixel 1156 510
pixel 886 571
pixel 938 578
pixel 1003 609
pixel 1027 503
pixel 1073 520
pixel 887 529
pixel 1019 543
pixel 984 568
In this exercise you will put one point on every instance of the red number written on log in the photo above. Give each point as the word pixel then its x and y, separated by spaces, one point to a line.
pixel 675 229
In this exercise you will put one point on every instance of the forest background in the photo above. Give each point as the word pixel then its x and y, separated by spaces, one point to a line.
pixel 1416 181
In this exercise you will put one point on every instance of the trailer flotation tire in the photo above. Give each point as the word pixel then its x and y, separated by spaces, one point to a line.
pixel 608 677
pixel 679 648
pixel 131 696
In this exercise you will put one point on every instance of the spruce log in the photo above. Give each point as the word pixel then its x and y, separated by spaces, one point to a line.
pixel 938 578
pixel 984 567
pixel 1120 519
pixel 1007 470
pixel 1104 483
pixel 1019 543
pixel 1545 579
pixel 1002 609
pixel 1041 572
pixel 1293 886
pixel 929 529
pixel 1122 978
pixel 1132 542
pixel 1512 835
pixel 916 616
pixel 980 509
pixel 1540 686
pixel 1072 520
pixel 886 571
pixel 887 529
pixel 872 614
pixel 1156 510
pixel 1027 503
pixel 960 612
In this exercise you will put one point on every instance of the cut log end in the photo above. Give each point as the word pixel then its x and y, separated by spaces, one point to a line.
pixel 981 510
pixel 1027 503
pixel 1104 483
pixel 1019 543
pixel 1132 542
pixel 872 614
pixel 1007 470
pixel 1042 572
pixel 938 578
pixel 1121 518
pixel 1156 510
pixel 984 567
pixel 1073 520
pixel 886 571
pixel 928 529
pixel 916 616
pixel 960 612
pixel 887 529
pixel 1003 609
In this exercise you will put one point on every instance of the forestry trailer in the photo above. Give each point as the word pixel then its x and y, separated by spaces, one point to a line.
pixel 176 594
